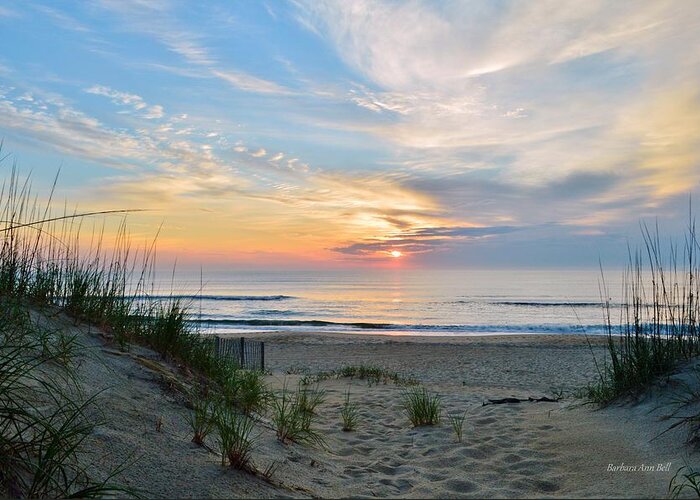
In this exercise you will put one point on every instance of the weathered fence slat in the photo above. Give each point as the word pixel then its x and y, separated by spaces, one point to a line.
pixel 249 354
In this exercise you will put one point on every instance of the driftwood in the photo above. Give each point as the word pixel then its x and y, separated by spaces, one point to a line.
pixel 543 399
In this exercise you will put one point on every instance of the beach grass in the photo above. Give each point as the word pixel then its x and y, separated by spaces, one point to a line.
pixel 44 416
pixel 457 423
pixel 373 374
pixel 201 419
pixel 294 413
pixel 48 263
pixel 234 435
pixel 248 390
pixel 421 406
pixel 310 398
pixel 685 479
pixel 658 329
pixel 349 414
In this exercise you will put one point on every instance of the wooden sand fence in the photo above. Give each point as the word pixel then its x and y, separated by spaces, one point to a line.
pixel 249 354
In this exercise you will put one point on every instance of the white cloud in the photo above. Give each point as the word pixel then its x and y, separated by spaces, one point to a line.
pixel 502 85
pixel 420 45
pixel 62 19
pixel 73 132
pixel 250 83
pixel 154 112
pixel 158 149
pixel 259 153
pixel 421 102
pixel 277 157
pixel 134 101
pixel 189 49
pixel 117 97
pixel 515 113
pixel 162 26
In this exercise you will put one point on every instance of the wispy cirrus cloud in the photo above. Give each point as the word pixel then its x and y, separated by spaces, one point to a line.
pixel 169 154
pixel 62 19
pixel 132 100
pixel 163 26
pixel 515 88
pixel 250 83
pixel 73 132
pixel 447 43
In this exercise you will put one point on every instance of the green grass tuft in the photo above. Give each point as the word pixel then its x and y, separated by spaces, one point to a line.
pixel 235 436
pixel 349 414
pixel 374 375
pixel 457 423
pixel 248 390
pixel 201 420
pixel 293 415
pixel 422 407
pixel 685 478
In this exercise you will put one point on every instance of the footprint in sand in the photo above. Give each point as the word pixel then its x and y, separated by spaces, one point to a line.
pixel 345 452
pixel 384 469
pixel 440 463
pixel 472 453
pixel 401 485
pixel 485 421
pixel 435 476
pixel 487 449
pixel 512 458
pixel 460 486
pixel 525 465
pixel 537 485
pixel 354 471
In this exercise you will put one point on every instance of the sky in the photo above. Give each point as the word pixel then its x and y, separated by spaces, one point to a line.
pixel 314 134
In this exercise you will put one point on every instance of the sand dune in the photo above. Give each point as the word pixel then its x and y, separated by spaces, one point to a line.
pixel 509 450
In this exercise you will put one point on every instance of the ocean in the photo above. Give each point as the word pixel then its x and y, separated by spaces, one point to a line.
pixel 397 301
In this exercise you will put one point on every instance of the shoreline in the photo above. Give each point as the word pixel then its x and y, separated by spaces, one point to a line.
pixel 406 332
pixel 573 338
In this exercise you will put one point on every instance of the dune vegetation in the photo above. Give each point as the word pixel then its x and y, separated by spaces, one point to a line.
pixel 658 329
pixel 44 418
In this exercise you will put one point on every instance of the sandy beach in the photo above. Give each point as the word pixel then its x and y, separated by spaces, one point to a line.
pixel 350 249
pixel 509 450
pixel 529 449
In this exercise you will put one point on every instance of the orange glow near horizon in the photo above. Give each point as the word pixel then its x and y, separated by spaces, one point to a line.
pixel 339 221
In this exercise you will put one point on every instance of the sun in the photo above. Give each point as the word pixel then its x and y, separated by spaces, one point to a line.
pixel 396 254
